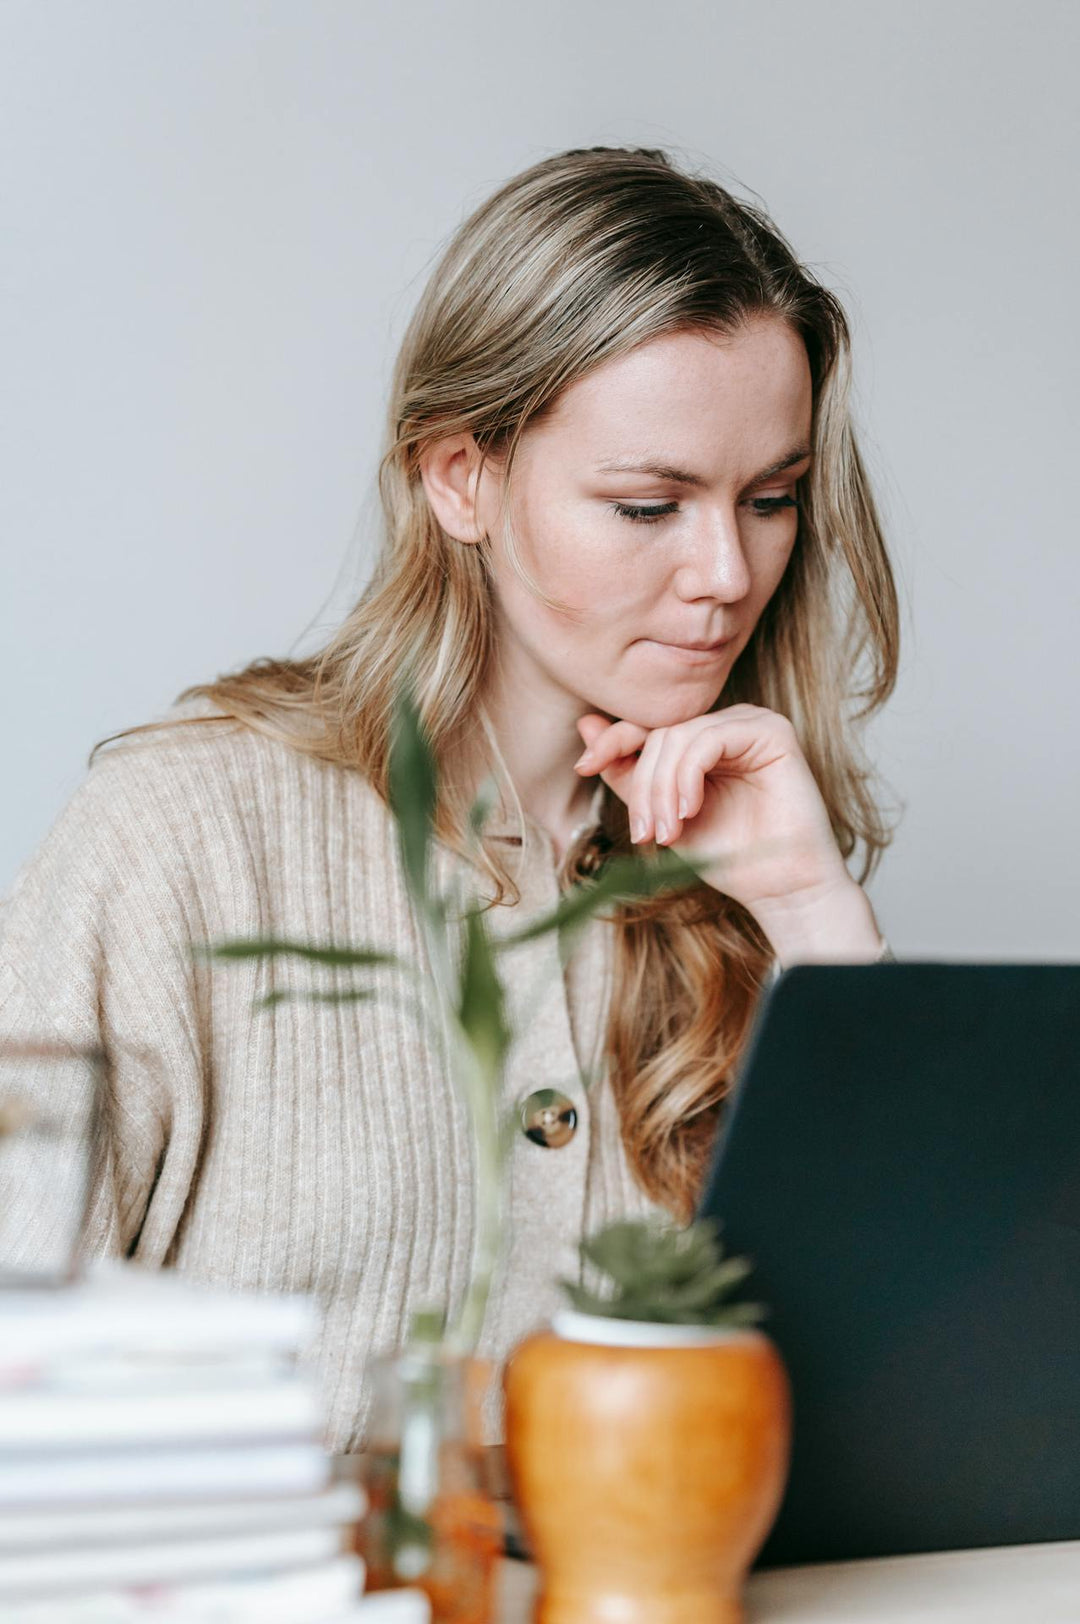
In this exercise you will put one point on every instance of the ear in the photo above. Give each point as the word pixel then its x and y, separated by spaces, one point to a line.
pixel 450 470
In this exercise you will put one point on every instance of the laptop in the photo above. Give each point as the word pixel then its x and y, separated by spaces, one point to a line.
pixel 901 1160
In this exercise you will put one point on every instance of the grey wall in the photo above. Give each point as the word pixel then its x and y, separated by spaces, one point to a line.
pixel 217 215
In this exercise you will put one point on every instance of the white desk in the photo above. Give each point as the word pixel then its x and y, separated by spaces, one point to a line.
pixel 1017 1584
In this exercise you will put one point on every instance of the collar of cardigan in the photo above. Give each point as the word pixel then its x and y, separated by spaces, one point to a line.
pixel 502 822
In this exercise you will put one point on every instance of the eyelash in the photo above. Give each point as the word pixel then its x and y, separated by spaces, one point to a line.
pixel 765 508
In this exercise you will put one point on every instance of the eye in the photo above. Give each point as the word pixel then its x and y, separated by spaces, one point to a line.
pixel 644 515
pixel 765 506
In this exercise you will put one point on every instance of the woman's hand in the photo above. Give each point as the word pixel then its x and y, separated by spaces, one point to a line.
pixel 732 791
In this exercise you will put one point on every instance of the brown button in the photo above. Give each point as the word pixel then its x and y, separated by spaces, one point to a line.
pixel 548 1118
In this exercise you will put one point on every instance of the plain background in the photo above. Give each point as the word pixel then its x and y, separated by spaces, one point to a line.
pixel 218 214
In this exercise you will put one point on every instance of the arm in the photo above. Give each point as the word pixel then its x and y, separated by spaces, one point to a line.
pixel 833 925
pixel 93 954
pixel 777 967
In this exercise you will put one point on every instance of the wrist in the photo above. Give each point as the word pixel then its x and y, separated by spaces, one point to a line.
pixel 829 925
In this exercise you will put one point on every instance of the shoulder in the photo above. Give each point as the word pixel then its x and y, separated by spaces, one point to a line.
pixel 184 816
pixel 196 772
pixel 192 760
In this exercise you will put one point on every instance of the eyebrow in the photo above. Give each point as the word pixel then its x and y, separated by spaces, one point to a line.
pixel 683 476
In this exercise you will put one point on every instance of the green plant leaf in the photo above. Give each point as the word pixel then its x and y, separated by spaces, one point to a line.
pixel 272 947
pixel 745 1313
pixel 665 1273
pixel 412 789
pixel 585 1301
pixel 615 1250
pixel 486 798
pixel 482 1012
pixel 289 995
pixel 622 879
pixel 722 1316
pixel 710 1286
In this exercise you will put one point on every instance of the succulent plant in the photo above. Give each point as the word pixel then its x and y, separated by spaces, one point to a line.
pixel 664 1273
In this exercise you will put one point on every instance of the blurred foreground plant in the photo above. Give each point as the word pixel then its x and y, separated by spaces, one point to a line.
pixel 464 988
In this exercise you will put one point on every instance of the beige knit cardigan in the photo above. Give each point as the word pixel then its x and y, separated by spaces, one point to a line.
pixel 306 1147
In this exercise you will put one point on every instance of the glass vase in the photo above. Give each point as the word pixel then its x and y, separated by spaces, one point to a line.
pixel 431 1524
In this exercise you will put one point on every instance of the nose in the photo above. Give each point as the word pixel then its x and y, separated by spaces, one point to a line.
pixel 715 565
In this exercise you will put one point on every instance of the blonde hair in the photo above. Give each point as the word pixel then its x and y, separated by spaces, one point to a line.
pixel 572 262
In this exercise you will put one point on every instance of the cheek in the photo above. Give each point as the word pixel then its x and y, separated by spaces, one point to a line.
pixel 556 552
pixel 768 569
pixel 576 560
pixel 580 588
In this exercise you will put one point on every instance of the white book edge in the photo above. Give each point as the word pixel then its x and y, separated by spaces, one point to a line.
pixel 120 1305
pixel 171 1474
pixel 174 1562
pixel 121 1374
pixel 35 1419
pixel 96 1525
pixel 324 1592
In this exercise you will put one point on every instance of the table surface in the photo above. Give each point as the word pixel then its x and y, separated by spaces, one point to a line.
pixel 1015 1584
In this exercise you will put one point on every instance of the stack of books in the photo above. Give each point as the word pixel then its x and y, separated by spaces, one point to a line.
pixel 162 1456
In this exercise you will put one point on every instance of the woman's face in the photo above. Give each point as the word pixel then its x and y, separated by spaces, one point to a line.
pixel 688 551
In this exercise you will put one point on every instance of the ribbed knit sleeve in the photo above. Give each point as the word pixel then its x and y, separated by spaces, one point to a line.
pixel 298 1148
pixel 94 952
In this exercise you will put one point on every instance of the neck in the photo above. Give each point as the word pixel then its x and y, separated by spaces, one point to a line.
pixel 540 756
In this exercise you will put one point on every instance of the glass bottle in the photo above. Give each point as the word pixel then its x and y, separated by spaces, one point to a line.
pixel 430 1524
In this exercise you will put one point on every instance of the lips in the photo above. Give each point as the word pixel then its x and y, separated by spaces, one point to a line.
pixel 702 648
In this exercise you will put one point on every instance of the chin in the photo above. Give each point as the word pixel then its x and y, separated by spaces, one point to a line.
pixel 665 708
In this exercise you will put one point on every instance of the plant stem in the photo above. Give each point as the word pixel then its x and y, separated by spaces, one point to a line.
pixel 482 1088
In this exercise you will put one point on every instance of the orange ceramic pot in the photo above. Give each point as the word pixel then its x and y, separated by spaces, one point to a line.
pixel 648 1463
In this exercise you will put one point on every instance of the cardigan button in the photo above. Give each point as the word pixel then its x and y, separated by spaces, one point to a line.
pixel 548 1118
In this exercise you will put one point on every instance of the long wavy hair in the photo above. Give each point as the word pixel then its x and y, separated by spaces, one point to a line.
pixel 571 263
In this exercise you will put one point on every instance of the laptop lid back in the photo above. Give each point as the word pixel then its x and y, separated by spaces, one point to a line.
pixel 901 1158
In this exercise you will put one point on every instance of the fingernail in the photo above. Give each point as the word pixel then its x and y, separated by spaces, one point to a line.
pixel 682 806
pixel 582 759
pixel 637 829
pixel 661 833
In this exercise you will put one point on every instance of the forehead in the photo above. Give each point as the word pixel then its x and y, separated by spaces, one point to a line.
pixel 691 392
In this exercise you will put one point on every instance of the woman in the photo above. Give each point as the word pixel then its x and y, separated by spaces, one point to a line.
pixel 618 428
